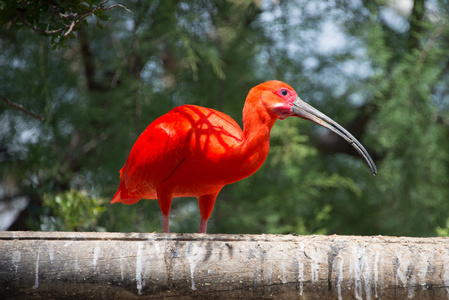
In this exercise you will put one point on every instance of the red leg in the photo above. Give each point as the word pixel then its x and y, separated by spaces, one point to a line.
pixel 206 203
pixel 203 225
pixel 165 224
pixel 165 204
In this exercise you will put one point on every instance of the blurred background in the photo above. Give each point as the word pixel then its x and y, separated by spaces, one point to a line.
pixel 379 68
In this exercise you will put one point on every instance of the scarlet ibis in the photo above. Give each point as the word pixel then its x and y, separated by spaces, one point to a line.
pixel 195 151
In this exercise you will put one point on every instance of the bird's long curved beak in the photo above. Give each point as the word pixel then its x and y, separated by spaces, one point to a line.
pixel 306 111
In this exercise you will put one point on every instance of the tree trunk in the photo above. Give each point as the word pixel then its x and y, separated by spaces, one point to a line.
pixel 55 265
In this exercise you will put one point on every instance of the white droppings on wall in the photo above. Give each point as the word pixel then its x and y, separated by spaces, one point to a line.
pixel 366 274
pixel 269 275
pixel 77 267
pixel 95 256
pixel 284 273
pixel 376 273
pixel 351 268
pixel 253 259
pixel 401 269
pixel 51 253
pixel 446 272
pixel 423 265
pixel 154 251
pixel 314 265
pixel 382 268
pixel 16 257
pixel 139 268
pixel 411 286
pixel 194 255
pixel 122 257
pixel 157 249
pixel 36 278
pixel 300 259
pixel 357 267
pixel 339 277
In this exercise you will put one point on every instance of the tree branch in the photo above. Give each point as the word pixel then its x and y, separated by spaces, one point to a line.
pixel 75 17
pixel 37 29
pixel 89 13
pixel 20 107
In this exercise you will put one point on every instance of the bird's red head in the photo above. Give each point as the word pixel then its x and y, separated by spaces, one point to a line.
pixel 275 96
pixel 287 97
pixel 281 101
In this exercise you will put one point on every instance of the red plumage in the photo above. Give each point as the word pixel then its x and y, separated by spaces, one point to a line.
pixel 195 151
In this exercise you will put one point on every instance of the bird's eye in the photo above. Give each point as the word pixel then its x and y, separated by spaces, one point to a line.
pixel 284 92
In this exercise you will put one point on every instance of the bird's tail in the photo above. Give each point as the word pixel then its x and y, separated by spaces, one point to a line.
pixel 123 195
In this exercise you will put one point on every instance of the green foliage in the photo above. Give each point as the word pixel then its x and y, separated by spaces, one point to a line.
pixel 382 73
pixel 414 180
pixel 72 211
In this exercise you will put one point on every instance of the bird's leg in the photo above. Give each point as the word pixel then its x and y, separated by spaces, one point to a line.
pixel 206 203
pixel 203 226
pixel 164 204
pixel 165 224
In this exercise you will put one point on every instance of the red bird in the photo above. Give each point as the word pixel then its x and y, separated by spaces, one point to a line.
pixel 196 151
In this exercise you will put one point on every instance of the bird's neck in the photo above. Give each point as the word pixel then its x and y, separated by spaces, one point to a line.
pixel 257 124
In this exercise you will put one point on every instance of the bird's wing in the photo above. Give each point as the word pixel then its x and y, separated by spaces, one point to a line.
pixel 155 155
pixel 187 133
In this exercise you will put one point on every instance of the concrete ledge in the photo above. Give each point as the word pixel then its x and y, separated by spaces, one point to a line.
pixel 81 265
